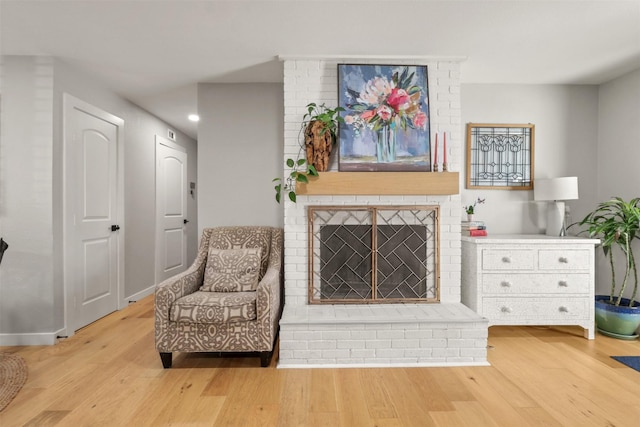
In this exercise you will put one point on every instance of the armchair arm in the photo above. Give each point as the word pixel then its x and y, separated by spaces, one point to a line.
pixel 176 287
pixel 182 284
pixel 268 303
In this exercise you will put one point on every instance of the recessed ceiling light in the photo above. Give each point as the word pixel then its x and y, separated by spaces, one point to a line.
pixel 194 117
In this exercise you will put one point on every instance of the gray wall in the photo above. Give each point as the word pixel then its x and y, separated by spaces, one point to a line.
pixel 566 139
pixel 240 150
pixel 28 275
pixel 140 129
pixel 618 154
pixel 31 281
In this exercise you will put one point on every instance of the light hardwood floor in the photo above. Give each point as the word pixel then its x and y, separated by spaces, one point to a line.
pixel 109 374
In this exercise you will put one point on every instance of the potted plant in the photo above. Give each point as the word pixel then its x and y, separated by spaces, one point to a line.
pixel 318 131
pixel 617 224
pixel 471 209
pixel 320 124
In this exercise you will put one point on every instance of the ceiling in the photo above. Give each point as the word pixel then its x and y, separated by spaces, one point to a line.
pixel 155 52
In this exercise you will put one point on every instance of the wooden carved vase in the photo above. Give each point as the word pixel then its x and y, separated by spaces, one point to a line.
pixel 319 143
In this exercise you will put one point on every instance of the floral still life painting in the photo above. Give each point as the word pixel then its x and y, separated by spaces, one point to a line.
pixel 386 118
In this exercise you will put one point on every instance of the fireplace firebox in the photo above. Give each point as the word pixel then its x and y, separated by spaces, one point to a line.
pixel 373 254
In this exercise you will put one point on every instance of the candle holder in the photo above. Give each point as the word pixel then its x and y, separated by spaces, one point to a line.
pixel 444 167
pixel 435 167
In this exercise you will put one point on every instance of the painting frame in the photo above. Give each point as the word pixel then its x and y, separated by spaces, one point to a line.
pixel 500 156
pixel 387 121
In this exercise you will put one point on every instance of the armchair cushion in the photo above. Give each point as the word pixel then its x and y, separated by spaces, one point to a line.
pixel 232 270
pixel 214 307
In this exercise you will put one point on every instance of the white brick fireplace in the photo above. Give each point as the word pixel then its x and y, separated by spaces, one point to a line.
pixel 435 334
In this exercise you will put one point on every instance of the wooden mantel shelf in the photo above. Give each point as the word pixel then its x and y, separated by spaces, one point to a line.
pixel 381 183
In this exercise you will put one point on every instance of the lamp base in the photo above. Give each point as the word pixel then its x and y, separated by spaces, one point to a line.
pixel 555 219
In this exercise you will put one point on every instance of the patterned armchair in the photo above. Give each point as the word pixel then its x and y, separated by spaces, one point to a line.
pixel 228 300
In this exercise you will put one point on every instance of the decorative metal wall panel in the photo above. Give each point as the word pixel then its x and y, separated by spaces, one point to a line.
pixel 500 156
pixel 373 254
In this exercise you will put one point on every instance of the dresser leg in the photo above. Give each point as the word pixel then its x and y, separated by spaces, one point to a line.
pixel 589 333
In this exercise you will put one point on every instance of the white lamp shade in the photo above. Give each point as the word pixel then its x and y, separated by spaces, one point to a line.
pixel 565 188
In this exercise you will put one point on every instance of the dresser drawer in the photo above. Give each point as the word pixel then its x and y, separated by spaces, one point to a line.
pixel 508 259
pixel 557 259
pixel 557 283
pixel 533 309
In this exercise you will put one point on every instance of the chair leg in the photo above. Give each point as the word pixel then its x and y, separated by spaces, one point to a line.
pixel 166 360
pixel 265 358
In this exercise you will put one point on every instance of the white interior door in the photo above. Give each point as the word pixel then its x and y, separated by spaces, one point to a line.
pixel 92 215
pixel 171 209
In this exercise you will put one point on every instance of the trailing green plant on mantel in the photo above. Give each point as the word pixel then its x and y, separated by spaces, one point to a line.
pixel 318 132
pixel 300 171
pixel 617 224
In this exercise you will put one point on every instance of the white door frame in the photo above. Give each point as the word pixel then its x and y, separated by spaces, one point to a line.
pixel 160 140
pixel 71 103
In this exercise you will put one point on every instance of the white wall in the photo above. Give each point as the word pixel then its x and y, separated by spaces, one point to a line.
pixel 240 146
pixel 566 138
pixel 31 280
pixel 618 154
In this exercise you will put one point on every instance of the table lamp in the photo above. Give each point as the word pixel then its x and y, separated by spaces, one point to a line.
pixel 556 190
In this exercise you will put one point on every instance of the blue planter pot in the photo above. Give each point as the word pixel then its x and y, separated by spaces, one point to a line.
pixel 617 321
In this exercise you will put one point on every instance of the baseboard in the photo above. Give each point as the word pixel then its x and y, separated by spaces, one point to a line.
pixel 43 338
pixel 380 365
pixel 137 296
pixel 51 338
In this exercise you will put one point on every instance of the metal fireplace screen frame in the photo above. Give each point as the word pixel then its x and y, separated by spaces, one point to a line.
pixel 373 254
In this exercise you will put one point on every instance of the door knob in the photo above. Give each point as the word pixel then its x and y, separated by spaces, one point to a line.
pixel 115 227
pixel 185 221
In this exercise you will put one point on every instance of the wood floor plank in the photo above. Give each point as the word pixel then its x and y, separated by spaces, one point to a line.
pixel 47 419
pixel 432 397
pixel 110 374
pixel 409 394
pixel 181 410
pixel 240 397
pixel 29 403
pixel 490 378
pixel 473 414
pixel 322 397
pixel 538 417
pixel 352 404
pixel 452 383
pixel 447 419
pixel 378 398
pixel 323 419
pixel 161 391
pixel 494 398
pixel 263 415
pixel 294 402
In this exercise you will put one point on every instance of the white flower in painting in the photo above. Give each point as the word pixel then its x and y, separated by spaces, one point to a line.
pixel 375 91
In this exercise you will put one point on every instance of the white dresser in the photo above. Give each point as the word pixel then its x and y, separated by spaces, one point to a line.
pixel 530 280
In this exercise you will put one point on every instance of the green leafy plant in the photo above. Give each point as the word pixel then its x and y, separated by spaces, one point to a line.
pixel 330 117
pixel 300 169
pixel 616 223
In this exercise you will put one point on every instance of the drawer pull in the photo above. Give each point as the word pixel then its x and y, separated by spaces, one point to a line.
pixel 563 260
pixel 505 309
pixel 563 284
pixel 563 309
pixel 506 259
pixel 505 284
